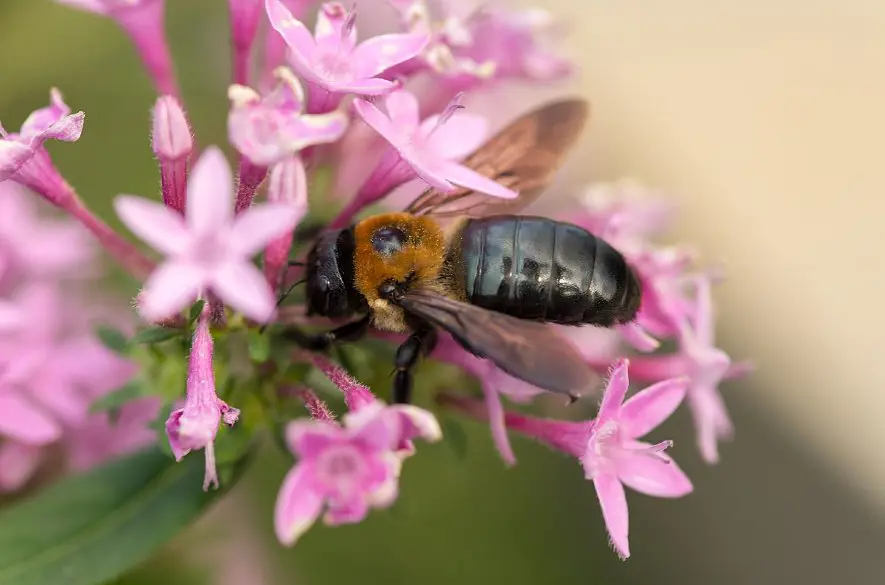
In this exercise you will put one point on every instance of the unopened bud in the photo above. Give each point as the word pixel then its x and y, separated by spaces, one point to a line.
pixel 172 137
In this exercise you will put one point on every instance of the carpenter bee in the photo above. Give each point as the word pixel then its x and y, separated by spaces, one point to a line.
pixel 465 262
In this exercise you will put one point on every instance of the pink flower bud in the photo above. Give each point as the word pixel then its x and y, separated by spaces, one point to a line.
pixel 173 143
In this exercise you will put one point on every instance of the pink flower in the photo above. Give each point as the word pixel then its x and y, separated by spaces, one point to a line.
pixel 705 365
pixel 209 249
pixel 332 62
pixel 268 129
pixel 195 425
pixel 412 422
pixel 23 158
pixel 513 42
pixel 346 470
pixel 172 142
pixel 142 20
pixel 425 149
pixel 32 246
pixel 608 446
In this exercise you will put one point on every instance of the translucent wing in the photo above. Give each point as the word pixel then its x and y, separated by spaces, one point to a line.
pixel 528 350
pixel 523 156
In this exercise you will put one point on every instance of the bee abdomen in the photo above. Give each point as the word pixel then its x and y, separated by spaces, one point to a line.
pixel 541 269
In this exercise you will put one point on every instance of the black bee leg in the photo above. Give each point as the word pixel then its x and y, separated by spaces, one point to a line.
pixel 321 341
pixel 420 343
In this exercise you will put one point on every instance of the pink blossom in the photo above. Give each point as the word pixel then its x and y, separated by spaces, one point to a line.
pixel 208 249
pixel 705 365
pixel 142 20
pixel 332 62
pixel 346 470
pixel 195 425
pixel 608 446
pixel 268 129
pixel 425 149
pixel 23 158
pixel 172 143
pixel 34 246
pixel 412 422
pixel 473 44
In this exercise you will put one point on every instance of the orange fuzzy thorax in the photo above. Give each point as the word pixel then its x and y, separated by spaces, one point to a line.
pixel 419 260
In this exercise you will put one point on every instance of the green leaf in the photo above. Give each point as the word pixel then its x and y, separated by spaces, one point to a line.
pixel 112 339
pixel 259 346
pixel 114 400
pixel 454 436
pixel 92 528
pixel 195 311
pixel 153 335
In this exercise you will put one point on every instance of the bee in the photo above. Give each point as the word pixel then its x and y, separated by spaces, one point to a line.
pixel 468 264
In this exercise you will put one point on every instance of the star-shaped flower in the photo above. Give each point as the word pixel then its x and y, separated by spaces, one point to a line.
pixel 22 156
pixel 609 448
pixel 332 60
pixel 208 249
pixel 426 148
pixel 268 129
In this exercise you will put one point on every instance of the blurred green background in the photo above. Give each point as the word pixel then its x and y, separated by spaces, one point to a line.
pixel 768 514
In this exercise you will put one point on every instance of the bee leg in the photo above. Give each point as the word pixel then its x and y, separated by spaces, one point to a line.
pixel 420 343
pixel 321 341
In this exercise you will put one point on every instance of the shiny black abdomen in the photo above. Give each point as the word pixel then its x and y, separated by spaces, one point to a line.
pixel 538 268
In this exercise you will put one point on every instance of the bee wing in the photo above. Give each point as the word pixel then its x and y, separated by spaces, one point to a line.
pixel 528 350
pixel 523 156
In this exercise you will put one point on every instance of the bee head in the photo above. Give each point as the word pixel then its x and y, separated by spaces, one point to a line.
pixel 330 274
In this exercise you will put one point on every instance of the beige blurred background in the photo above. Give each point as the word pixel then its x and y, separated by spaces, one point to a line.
pixel 766 121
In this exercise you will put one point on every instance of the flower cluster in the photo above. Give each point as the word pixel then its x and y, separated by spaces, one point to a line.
pixel 53 366
pixel 320 103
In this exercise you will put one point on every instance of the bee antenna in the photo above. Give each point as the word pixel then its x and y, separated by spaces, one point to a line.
pixel 283 298
pixel 296 263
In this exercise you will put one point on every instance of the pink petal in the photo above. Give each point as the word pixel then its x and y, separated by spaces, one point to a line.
pixel 370 86
pixel 464 177
pixel 298 505
pixel 303 131
pixel 704 319
pixel 171 287
pixel 711 421
pixel 40 120
pixel 419 422
pixel 353 512
pixel 650 368
pixel 613 502
pixel 13 155
pixel 647 409
pixel 496 422
pixel 638 337
pixel 615 390
pixel 653 476
pixel 260 224
pixel 291 29
pixel 309 438
pixel 378 121
pixel 377 433
pixel 67 129
pixel 18 463
pixel 329 29
pixel 22 421
pixel 243 287
pixel 459 136
pixel 153 222
pixel 209 193
pixel 382 52
pixel 403 109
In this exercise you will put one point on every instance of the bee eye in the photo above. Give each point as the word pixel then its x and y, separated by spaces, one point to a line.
pixel 387 241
